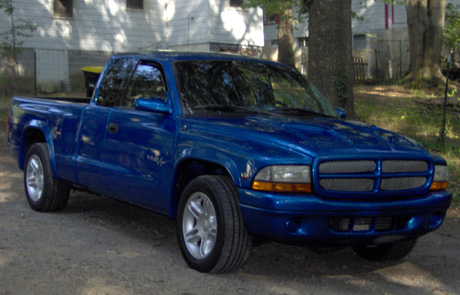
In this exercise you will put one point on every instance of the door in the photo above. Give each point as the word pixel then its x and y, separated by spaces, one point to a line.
pixel 138 151
pixel 91 138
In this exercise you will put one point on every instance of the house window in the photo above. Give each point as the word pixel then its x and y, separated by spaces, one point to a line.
pixel 270 19
pixel 359 42
pixel 236 3
pixel 63 8
pixel 135 4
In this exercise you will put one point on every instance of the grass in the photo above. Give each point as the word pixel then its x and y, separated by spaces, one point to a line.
pixel 395 108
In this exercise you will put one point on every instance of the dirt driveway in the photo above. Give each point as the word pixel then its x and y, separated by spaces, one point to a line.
pixel 101 246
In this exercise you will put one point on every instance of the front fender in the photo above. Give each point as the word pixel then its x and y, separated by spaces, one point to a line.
pixel 212 156
pixel 200 154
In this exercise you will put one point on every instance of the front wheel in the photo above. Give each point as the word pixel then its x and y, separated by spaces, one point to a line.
pixel 210 229
pixel 390 251
pixel 44 192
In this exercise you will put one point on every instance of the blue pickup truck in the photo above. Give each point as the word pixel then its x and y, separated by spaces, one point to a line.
pixel 233 148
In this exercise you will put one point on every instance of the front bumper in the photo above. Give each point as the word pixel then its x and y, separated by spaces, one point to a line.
pixel 310 220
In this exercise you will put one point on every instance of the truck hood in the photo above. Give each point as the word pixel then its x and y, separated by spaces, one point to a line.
pixel 313 137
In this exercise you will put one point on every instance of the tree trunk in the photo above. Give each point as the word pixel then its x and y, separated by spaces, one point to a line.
pixel 286 38
pixel 330 57
pixel 425 22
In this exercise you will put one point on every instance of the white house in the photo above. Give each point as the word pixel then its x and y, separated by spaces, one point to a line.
pixel 76 33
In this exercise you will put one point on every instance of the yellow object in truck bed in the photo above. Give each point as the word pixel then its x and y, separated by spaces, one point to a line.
pixel 93 69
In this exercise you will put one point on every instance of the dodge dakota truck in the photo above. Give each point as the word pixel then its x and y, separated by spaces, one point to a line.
pixel 233 148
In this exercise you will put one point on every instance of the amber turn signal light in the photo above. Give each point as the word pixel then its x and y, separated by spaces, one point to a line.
pixel 282 187
pixel 439 185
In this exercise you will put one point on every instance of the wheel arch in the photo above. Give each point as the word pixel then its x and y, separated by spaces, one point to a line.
pixel 191 168
pixel 34 132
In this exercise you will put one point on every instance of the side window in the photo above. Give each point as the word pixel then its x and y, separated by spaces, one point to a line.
pixel 147 82
pixel 112 85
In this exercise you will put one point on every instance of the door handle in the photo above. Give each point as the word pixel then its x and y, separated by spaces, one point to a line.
pixel 113 128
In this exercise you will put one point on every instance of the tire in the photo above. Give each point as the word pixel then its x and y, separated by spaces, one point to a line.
pixel 210 229
pixel 44 192
pixel 385 252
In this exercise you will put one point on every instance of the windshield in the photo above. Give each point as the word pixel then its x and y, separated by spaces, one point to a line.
pixel 242 86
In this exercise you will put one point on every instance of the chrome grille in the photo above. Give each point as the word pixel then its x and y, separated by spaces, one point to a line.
pixel 347 185
pixel 364 176
pixel 398 166
pixel 402 183
pixel 341 167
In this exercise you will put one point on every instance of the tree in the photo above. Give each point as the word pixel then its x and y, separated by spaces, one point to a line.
pixel 284 10
pixel 286 38
pixel 451 34
pixel 425 22
pixel 330 56
pixel 11 39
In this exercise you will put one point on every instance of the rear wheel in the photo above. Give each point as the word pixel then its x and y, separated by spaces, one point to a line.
pixel 210 230
pixel 391 251
pixel 44 192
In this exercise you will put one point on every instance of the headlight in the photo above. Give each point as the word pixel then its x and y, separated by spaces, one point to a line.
pixel 440 178
pixel 283 178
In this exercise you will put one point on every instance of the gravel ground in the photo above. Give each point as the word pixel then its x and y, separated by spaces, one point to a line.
pixel 101 246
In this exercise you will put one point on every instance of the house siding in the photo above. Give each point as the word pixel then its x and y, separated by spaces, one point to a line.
pixel 374 18
pixel 235 25
pixel 373 14
pixel 94 25
pixel 187 23
pixel 100 28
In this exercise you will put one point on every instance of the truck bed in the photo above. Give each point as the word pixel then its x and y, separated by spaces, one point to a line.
pixel 57 117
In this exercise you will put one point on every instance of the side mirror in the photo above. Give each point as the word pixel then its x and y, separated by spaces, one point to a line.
pixel 154 104
pixel 341 112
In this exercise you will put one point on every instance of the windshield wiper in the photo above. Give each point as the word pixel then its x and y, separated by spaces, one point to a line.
pixel 230 109
pixel 297 112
